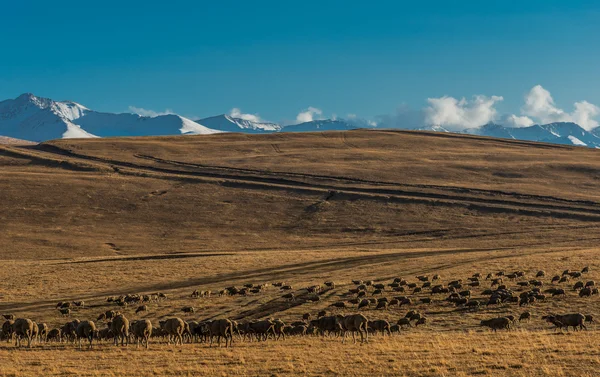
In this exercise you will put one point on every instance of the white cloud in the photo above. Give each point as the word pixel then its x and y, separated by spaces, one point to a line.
pixel 540 106
pixel 517 121
pixel 456 115
pixel 308 115
pixel 356 121
pixel 149 113
pixel 237 113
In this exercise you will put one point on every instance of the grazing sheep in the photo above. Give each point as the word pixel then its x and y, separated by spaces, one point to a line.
pixel 525 316
pixel 575 320
pixel 188 309
pixel 436 277
pixel 54 334
pixel 425 300
pixel 9 317
pixel 590 283
pixel 79 304
pixel 421 321
pixel 339 304
pixel 558 292
pixel 364 304
pixel 7 329
pixel 586 269
pixel 330 284
pixel 142 308
pixel 585 292
pixel 382 305
pixel 142 331
pixel 289 296
pixel 221 328
pixel 86 330
pixel 43 331
pixel 322 313
pixel 65 312
pixel 174 328
pixel 355 323
pixel 589 318
pixel 23 328
pixel 377 292
pixel 120 328
pixel 380 325
pixel 404 322
pixel 417 290
pixel 578 285
pixel 306 316
pixel 496 323
pixel 540 274
pixel 563 279
pixel 394 302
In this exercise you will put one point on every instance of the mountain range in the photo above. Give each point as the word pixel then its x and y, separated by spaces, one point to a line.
pixel 33 118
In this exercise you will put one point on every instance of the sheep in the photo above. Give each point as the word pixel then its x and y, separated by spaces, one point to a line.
pixel 578 285
pixel 525 316
pixel 354 323
pixel 590 283
pixel 380 325
pixel 540 274
pixel 54 334
pixel 43 331
pixel 364 304
pixel 87 330
pixel 421 321
pixel 65 312
pixel 174 328
pixel 575 320
pixel 23 328
pixel 377 292
pixel 9 317
pixel 425 300
pixel 558 292
pixel 423 278
pixel 589 318
pixel 79 304
pixel 555 278
pixel 379 286
pixel 289 296
pixel 221 328
pixel 120 328
pixel 585 270
pixel 339 304
pixel 142 331
pixel 496 323
pixel 188 309
pixel 417 290
pixel 7 329
pixel 585 292
pixel 142 308
pixel 322 313
pixel 436 277
pixel 382 305
pixel 264 328
pixel 330 284
pixel 404 322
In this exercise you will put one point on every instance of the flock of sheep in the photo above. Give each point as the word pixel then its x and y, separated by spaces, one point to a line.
pixel 364 296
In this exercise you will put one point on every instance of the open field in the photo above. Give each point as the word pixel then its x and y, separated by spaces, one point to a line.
pixel 88 219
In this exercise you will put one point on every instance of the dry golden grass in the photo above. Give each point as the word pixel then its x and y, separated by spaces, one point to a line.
pixel 86 219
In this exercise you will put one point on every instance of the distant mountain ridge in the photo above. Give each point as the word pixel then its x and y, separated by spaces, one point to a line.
pixel 37 119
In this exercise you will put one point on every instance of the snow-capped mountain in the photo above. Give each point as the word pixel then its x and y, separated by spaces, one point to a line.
pixel 323 125
pixel 228 123
pixel 38 119
pixel 28 117
pixel 558 133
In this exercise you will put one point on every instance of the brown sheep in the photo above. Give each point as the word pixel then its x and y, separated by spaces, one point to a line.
pixel 404 322
pixel 23 328
pixel 289 296
pixel 382 305
pixel 188 309
pixel 86 330
pixel 355 323
pixel 65 312
pixel 496 323
pixel 306 316
pixel 380 325
pixel 142 308
pixel 421 321
pixel 43 331
pixel 339 304
pixel 54 334
pixel 142 331
pixel 364 304
pixel 322 313
pixel 120 328
pixel 174 328
pixel 9 317
pixel 330 284
pixel 525 316
pixel 79 304
pixel 7 329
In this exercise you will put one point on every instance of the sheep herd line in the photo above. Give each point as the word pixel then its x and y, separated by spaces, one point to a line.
pixel 505 289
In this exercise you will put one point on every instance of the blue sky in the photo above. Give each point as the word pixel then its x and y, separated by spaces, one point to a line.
pixel 277 58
